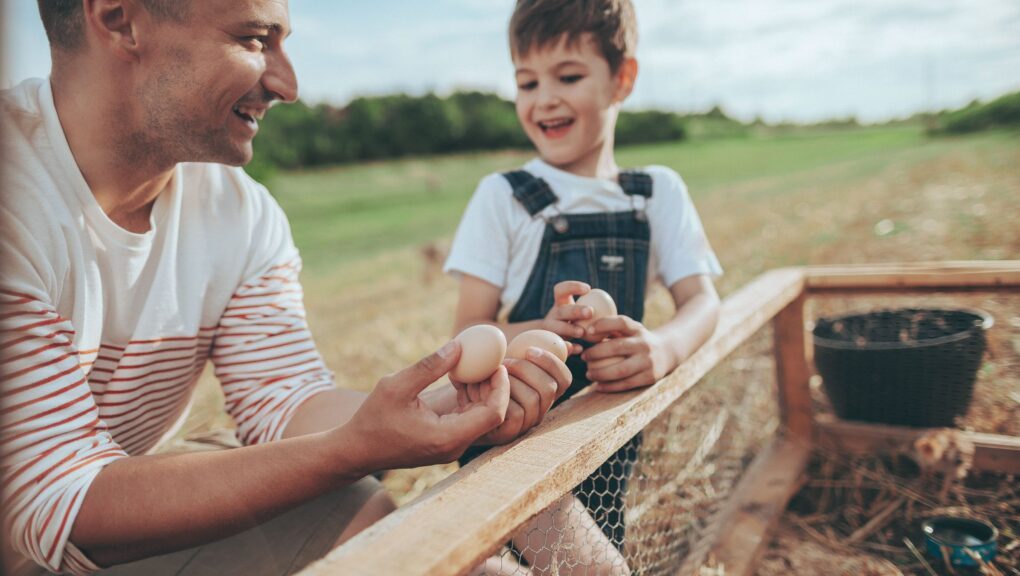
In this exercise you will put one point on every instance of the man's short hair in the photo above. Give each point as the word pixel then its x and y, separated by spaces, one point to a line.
pixel 65 25
pixel 540 23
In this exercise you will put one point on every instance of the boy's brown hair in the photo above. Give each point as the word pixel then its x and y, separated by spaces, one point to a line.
pixel 540 23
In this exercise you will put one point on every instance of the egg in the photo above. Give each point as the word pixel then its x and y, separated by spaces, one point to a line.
pixel 482 348
pixel 543 339
pixel 601 303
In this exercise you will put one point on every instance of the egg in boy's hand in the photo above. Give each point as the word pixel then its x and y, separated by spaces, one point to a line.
pixel 602 305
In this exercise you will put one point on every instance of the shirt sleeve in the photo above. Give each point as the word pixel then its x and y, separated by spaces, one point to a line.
pixel 54 443
pixel 481 246
pixel 679 242
pixel 263 352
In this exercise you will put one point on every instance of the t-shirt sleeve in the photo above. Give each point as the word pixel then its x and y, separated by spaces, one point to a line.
pixel 53 441
pixel 481 246
pixel 263 353
pixel 679 241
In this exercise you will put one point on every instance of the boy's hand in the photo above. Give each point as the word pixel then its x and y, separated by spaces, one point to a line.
pixel 561 317
pixel 396 428
pixel 534 384
pixel 646 357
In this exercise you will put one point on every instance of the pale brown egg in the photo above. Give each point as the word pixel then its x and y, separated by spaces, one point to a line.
pixel 543 339
pixel 601 303
pixel 481 351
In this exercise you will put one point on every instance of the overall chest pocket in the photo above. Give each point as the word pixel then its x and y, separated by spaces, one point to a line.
pixel 617 265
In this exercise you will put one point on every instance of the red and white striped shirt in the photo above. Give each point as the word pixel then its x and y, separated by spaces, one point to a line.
pixel 104 331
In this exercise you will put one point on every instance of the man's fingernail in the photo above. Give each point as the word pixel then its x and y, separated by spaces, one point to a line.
pixel 534 353
pixel 587 375
pixel 447 350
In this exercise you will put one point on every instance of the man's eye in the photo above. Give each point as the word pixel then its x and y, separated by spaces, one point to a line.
pixel 571 78
pixel 256 41
pixel 528 85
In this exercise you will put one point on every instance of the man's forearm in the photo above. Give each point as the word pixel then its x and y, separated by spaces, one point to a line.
pixel 148 505
pixel 324 411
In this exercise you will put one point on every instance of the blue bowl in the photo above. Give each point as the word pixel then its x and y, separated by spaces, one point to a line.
pixel 958 535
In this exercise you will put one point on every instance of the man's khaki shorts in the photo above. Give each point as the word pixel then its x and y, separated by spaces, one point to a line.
pixel 283 545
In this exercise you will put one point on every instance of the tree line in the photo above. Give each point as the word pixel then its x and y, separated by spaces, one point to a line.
pixel 372 128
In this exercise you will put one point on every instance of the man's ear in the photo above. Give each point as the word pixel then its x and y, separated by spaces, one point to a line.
pixel 112 25
pixel 625 78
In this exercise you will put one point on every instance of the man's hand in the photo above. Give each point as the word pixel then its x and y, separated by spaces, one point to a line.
pixel 562 317
pixel 396 428
pixel 646 355
pixel 535 383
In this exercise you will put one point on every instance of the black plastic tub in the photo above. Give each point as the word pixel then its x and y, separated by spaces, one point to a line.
pixel 907 366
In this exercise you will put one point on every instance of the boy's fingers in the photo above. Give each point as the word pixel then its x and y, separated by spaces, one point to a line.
pixel 573 312
pixel 614 324
pixel 412 380
pixel 564 329
pixel 617 371
pixel 635 381
pixel 564 292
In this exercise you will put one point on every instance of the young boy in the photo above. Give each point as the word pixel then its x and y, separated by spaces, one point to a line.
pixel 534 239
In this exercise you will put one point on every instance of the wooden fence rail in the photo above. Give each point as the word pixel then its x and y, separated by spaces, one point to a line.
pixel 454 525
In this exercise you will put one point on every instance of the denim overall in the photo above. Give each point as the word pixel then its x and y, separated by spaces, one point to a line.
pixel 610 251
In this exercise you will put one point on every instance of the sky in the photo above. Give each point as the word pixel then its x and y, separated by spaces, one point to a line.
pixel 783 60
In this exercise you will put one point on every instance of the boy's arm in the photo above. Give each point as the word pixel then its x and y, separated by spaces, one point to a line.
pixel 651 354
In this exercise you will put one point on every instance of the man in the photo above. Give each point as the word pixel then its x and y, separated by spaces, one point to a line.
pixel 137 253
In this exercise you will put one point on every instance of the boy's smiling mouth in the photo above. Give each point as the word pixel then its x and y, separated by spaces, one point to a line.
pixel 555 127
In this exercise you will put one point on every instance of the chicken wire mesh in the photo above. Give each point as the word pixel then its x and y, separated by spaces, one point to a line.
pixel 650 508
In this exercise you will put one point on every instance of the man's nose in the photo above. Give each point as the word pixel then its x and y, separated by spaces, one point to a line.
pixel 279 77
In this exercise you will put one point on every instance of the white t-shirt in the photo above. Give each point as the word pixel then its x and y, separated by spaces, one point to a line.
pixel 498 241
pixel 106 331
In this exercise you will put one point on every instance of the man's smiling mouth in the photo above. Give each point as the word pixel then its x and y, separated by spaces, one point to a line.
pixel 249 114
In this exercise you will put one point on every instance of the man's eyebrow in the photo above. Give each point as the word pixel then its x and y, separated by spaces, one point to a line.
pixel 267 25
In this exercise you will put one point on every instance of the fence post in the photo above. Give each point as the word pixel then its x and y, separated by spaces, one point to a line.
pixel 792 371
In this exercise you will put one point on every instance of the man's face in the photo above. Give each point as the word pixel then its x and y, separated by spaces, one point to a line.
pixel 204 84
pixel 566 98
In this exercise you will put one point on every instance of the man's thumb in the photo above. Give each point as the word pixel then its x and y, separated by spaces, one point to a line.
pixel 413 379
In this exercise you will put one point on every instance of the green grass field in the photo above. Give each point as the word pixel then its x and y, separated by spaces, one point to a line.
pixel 346 214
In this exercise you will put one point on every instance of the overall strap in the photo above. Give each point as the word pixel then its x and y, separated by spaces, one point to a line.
pixel 636 183
pixel 532 192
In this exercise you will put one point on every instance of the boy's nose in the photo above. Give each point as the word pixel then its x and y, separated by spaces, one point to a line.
pixel 548 98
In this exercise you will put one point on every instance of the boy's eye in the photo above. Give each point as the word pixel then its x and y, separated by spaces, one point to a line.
pixel 571 78
pixel 527 85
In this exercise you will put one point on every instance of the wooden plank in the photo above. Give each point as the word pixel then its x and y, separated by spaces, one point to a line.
pixel 457 523
pixel 792 370
pixel 951 275
pixel 992 452
pixel 754 508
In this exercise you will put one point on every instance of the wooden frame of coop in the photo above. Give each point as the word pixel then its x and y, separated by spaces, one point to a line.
pixel 457 523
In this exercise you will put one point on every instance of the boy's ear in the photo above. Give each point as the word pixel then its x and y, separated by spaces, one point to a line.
pixel 113 25
pixel 625 78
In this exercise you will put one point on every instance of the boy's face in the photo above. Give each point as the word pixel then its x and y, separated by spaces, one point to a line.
pixel 567 102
